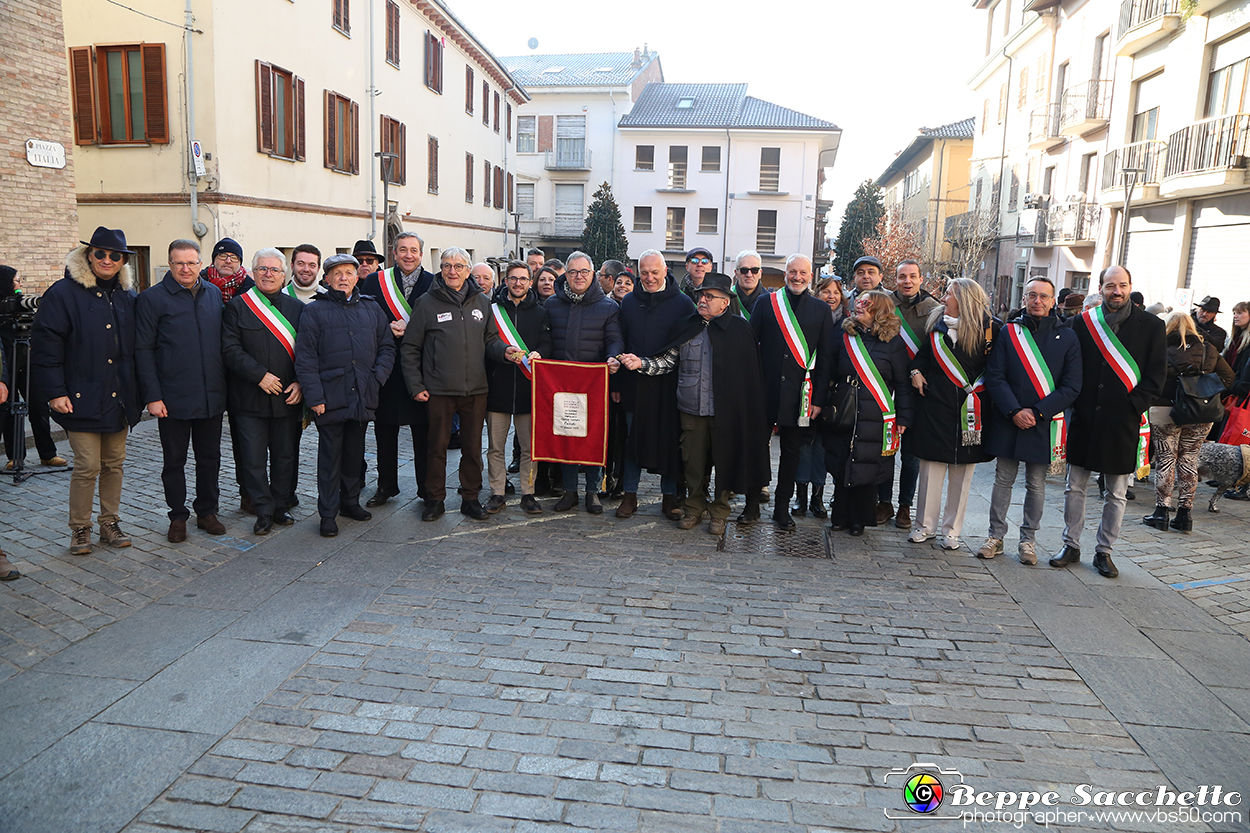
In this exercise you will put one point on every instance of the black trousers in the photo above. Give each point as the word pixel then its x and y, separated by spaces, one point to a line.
pixel 854 505
pixel 204 435
pixel 340 465
pixel 387 436
pixel 266 449
pixel 472 413
pixel 791 440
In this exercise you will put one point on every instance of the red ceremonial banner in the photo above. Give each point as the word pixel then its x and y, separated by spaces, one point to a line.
pixel 570 413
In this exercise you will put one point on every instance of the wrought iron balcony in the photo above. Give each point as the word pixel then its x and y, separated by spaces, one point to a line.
pixel 568 159
pixel 1085 108
pixel 1143 22
pixel 1073 224
pixel 963 227
pixel 1147 157
pixel 1214 144
pixel 1044 127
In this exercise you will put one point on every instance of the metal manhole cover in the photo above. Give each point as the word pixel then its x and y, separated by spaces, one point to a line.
pixel 764 538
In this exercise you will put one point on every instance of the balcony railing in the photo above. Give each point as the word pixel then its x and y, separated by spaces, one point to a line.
pixel 677 175
pixel 1214 144
pixel 1070 224
pixel 568 159
pixel 1085 107
pixel 1134 13
pixel 1044 126
pixel 1146 157
pixel 960 228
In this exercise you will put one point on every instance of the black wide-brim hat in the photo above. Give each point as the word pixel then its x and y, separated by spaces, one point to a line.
pixel 110 239
pixel 717 281
pixel 365 247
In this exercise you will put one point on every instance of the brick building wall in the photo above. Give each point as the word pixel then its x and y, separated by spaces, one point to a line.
pixel 38 211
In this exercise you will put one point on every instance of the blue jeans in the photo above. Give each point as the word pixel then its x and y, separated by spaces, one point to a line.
pixel 632 472
pixel 568 473
pixel 812 463
pixel 909 473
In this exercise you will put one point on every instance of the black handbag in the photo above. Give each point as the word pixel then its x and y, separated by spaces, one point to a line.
pixel 838 416
pixel 1198 399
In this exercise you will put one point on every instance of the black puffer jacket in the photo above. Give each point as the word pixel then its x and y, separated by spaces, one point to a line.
pixel 178 348
pixel 509 387
pixel 938 432
pixel 343 355
pixel 1193 359
pixel 587 330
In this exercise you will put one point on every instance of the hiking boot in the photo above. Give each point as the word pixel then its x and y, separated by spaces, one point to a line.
pixel 111 534
pixel 629 505
pixel 903 518
pixel 495 504
pixel 688 521
pixel 716 526
pixel 991 548
pixel 885 511
pixel 80 541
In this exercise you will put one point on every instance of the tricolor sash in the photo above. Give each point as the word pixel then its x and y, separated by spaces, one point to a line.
pixel 1125 366
pixel 1044 384
pixel 970 410
pixel 290 290
pixel 871 377
pixel 273 320
pixel 508 332
pixel 806 358
pixel 746 313
pixel 393 294
pixel 909 335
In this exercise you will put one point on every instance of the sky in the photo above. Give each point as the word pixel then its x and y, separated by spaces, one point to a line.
pixel 879 69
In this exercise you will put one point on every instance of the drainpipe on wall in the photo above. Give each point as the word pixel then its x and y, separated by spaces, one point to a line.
pixel 1002 165
pixel 197 228
pixel 373 126
pixel 724 246
pixel 503 138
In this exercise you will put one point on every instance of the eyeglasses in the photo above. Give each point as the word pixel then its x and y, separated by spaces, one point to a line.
pixel 453 267
pixel 179 266
pixel 699 261
pixel 227 256
pixel 268 270
pixel 518 278
pixel 748 270
pixel 579 273
pixel 367 260
pixel 1037 296
pixel 101 254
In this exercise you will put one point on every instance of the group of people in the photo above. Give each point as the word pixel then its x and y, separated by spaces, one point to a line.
pixel 703 371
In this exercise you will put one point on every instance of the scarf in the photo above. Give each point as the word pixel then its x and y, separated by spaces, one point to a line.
pixel 952 324
pixel 1115 319
pixel 228 286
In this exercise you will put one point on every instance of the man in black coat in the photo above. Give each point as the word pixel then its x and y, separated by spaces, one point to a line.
pixel 1124 367
pixel 258 345
pixel 396 290
pixel 655 317
pixel 182 378
pixel 749 287
pixel 1204 318
pixel 83 358
pixel 527 334
pixel 789 377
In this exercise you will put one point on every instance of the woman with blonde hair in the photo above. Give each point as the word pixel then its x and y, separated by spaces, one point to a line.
pixel 872 361
pixel 1176 447
pixel 948 375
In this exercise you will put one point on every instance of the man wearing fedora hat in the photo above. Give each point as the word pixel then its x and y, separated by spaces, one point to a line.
pixel 83 355
pixel 1204 317
pixel 367 258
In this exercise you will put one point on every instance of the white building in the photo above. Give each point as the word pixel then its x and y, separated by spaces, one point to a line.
pixel 707 165
pixel 566 140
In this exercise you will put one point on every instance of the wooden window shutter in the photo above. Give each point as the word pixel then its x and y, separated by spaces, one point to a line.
pixel 429 60
pixel 264 107
pixel 511 188
pixel 297 85
pixel 392 33
pixel 498 187
pixel 468 90
pixel 486 184
pixel 82 80
pixel 154 106
pixel 338 14
pixel 353 148
pixel 331 150
pixel 485 102
pixel 403 155
pixel 496 112
pixel 508 122
pixel 545 133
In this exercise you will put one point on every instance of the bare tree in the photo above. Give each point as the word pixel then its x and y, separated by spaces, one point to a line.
pixel 972 236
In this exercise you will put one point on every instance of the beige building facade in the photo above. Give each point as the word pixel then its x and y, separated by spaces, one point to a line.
pixel 289 104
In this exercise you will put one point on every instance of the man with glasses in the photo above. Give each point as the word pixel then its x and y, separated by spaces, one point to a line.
pixel 1025 422
pixel 397 291
pixel 748 287
pixel 698 264
pixel 226 270
pixel 305 272
pixel 368 259
pixel 526 332
pixel 82 356
pixel 183 381
pixel 443 355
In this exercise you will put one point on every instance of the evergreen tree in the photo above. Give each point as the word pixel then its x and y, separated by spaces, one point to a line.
pixel 859 223
pixel 604 236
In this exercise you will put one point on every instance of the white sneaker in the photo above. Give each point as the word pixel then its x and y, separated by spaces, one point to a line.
pixel 951 544
pixel 1028 555
pixel 991 548
pixel 919 536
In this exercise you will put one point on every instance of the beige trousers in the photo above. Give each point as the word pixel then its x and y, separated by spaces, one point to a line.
pixel 929 498
pixel 496 452
pixel 95 456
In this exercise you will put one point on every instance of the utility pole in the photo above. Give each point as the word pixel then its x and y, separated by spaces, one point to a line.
pixel 388 164
pixel 1130 182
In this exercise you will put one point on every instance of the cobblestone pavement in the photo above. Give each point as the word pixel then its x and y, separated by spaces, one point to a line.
pixel 566 672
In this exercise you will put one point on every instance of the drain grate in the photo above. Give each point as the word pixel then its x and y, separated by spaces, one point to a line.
pixel 764 538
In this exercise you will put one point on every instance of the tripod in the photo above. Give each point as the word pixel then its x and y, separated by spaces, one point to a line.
pixel 19 405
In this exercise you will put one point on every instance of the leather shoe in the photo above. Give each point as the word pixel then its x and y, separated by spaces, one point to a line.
pixel 283 518
pixel 495 504
pixel 177 532
pixel 473 509
pixel 593 505
pixel 670 508
pixel 356 512
pixel 434 510
pixel 380 497
pixel 885 511
pixel 211 525
pixel 567 501
pixel 838 525
pixel 1067 555
pixel 857 530
pixel 781 517
pixel 1104 565
pixel 329 528
pixel 629 505
pixel 530 505
pixel 264 523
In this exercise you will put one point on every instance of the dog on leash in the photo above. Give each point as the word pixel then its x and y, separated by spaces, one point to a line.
pixel 1224 467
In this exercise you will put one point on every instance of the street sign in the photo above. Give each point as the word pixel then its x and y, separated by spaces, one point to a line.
pixel 45 154
pixel 197 156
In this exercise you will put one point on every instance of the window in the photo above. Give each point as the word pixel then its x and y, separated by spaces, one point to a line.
pixel 496 112
pixel 1014 195
pixel 433 63
pixel 571 141
pixel 1088 166
pixel 342 16
pixel 644 158
pixel 485 102
pixel 980 191
pixel 525 200
pixel 675 229
pixel 468 177
pixel 707 221
pixel 766 232
pixel 1040 74
pixel 499 194
pixel 392 32
pixel 432 164
pixel 279 112
pixel 1030 182
pixel 770 169
pixel 525 134
pixel 1048 180
pixel 342 133
pixel 1002 103
pixel 1022 94
pixel 119 94
pixel 711 159
pixel 486 171
pixel 508 123
pixel 394 140
pixel 642 218
pixel 468 90
pixel 1146 109
pixel 570 209
pixel 1227 90
pixel 677 170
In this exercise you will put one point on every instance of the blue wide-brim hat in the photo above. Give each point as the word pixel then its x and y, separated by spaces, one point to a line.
pixel 110 239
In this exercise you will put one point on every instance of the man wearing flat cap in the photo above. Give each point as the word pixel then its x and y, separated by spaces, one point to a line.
pixel 866 276
pixel 1204 317
pixel 83 358
pixel 226 270
pixel 698 264
pixel 367 258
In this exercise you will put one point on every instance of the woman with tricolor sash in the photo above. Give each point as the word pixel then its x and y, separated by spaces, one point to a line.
pixel 872 360
pixel 948 374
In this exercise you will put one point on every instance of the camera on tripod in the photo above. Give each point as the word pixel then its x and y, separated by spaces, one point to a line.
pixel 17 312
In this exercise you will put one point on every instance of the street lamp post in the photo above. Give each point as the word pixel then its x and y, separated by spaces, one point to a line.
pixel 1130 182
pixel 516 221
pixel 388 164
